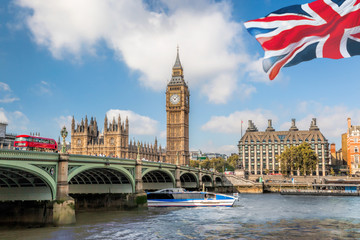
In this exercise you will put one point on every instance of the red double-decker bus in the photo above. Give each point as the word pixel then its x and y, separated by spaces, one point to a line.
pixel 33 143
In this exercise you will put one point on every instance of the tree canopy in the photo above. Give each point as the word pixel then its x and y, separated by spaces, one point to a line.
pixel 301 158
pixel 219 164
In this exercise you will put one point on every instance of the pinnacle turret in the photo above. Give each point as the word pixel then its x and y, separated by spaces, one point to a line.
pixel 177 72
pixel 177 64
pixel 73 124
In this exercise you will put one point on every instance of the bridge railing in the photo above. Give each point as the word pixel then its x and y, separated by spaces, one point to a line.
pixel 17 154
pixel 89 158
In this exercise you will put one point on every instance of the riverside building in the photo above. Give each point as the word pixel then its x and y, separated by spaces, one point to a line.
pixel 258 150
pixel 351 147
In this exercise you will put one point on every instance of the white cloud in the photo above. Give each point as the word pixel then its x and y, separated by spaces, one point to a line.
pixel 4 87
pixel 44 88
pixel 163 134
pixel 3 118
pixel 210 147
pixel 64 121
pixel 256 72
pixel 17 121
pixel 145 36
pixel 138 124
pixel 246 91
pixel 232 123
pixel 6 94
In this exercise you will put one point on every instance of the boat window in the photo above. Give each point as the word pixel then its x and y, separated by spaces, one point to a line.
pixel 210 196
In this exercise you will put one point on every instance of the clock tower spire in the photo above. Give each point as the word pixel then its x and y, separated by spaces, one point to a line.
pixel 177 116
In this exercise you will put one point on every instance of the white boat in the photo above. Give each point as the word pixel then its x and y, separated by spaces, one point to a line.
pixel 179 197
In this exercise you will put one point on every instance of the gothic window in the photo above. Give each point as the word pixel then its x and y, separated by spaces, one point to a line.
pixel 112 141
pixel 79 141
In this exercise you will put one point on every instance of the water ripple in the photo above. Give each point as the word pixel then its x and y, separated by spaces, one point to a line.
pixel 267 216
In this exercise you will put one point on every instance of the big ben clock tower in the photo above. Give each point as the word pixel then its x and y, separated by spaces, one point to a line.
pixel 177 115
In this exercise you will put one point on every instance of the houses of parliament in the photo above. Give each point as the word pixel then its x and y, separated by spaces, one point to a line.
pixel 86 139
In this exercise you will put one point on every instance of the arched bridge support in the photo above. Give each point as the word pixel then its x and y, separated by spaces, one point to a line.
pixel 199 175
pixel 177 177
pixel 64 206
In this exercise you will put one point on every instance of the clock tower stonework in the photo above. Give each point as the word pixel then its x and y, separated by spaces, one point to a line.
pixel 177 116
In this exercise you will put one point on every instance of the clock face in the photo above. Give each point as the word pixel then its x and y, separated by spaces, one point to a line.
pixel 174 99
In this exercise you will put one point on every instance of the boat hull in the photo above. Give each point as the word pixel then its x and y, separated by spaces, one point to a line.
pixel 191 203
pixel 178 197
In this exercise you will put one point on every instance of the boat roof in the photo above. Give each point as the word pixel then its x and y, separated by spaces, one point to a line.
pixel 171 190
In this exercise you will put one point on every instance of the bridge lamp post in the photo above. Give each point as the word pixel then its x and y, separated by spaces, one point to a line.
pixel 64 134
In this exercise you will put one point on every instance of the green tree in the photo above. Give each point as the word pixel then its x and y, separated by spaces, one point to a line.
pixel 301 158
pixel 308 158
pixel 194 163
pixel 218 164
pixel 286 160
pixel 332 172
pixel 233 161
pixel 206 164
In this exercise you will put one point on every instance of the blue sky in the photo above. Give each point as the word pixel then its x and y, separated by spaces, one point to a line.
pixel 60 59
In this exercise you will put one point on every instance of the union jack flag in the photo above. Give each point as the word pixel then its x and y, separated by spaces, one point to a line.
pixel 320 29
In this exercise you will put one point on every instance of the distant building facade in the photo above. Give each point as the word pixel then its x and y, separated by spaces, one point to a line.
pixel 195 155
pixel 258 150
pixel 198 155
pixel 336 161
pixel 113 141
pixel 215 155
pixel 351 147
pixel 6 140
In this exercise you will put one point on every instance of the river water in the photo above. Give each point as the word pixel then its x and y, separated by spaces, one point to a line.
pixel 260 216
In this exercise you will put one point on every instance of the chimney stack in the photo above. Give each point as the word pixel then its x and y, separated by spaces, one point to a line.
pixel 293 125
pixel 349 122
pixel 270 127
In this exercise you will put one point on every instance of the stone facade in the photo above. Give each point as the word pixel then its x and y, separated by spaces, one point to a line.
pixel 113 141
pixel 258 150
pixel 177 114
pixel 351 147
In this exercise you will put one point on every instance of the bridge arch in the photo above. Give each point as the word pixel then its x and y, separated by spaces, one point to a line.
pixel 154 179
pixel 207 180
pixel 189 180
pixel 24 181
pixel 98 179
pixel 218 181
